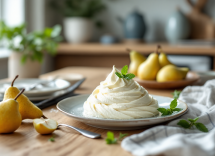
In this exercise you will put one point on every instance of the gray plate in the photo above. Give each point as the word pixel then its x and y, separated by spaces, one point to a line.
pixel 49 89
pixel 73 107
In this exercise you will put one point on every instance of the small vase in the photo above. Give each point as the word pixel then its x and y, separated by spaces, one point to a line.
pixel 134 27
pixel 178 27
pixel 77 30
pixel 30 69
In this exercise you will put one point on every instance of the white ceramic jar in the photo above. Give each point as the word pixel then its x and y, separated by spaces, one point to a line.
pixel 30 69
pixel 77 29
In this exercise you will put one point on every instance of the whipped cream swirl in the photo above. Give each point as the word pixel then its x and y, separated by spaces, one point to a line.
pixel 118 98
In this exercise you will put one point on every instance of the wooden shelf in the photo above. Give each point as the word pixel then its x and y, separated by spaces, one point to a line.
pixel 120 49
pixel 98 55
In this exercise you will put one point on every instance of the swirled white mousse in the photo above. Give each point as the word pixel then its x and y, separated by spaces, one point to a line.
pixel 118 98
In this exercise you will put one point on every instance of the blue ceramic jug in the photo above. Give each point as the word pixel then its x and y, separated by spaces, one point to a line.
pixel 134 26
pixel 177 28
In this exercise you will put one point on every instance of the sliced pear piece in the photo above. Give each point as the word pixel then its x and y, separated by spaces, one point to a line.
pixel 136 59
pixel 27 109
pixel 149 69
pixel 10 117
pixel 171 73
pixel 45 126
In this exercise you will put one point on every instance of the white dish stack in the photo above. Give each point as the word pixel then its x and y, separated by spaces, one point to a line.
pixel 37 89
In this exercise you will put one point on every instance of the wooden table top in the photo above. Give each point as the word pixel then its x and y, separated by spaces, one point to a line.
pixel 26 141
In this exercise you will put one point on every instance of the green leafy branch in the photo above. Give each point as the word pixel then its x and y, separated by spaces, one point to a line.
pixel 192 122
pixel 78 8
pixel 170 110
pixel 124 74
pixel 32 45
pixel 111 140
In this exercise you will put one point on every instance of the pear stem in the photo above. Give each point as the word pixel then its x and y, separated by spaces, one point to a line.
pixel 158 49
pixel 128 50
pixel 44 117
pixel 19 94
pixel 14 80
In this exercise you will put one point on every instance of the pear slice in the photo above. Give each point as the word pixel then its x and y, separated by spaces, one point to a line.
pixel 45 126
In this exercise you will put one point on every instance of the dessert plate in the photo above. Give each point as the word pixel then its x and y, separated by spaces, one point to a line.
pixel 73 107
pixel 41 90
pixel 190 79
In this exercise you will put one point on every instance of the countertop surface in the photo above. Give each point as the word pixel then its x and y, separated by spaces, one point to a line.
pixel 26 141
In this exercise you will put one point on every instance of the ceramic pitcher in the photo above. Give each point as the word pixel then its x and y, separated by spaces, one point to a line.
pixel 177 27
pixel 134 26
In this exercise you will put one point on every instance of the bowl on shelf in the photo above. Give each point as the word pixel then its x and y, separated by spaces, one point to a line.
pixel 153 84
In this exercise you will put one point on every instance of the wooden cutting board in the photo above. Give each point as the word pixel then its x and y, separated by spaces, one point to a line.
pixel 202 26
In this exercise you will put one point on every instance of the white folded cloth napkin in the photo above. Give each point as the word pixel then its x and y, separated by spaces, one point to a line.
pixel 173 140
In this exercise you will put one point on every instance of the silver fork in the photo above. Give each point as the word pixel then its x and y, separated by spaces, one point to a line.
pixel 83 132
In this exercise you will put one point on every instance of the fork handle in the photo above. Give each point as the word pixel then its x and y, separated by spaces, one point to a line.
pixel 83 132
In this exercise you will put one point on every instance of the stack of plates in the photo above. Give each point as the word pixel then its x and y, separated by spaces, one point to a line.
pixel 44 88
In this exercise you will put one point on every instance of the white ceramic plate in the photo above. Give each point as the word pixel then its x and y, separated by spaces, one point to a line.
pixel 41 90
pixel 32 98
pixel 38 98
pixel 70 77
pixel 73 107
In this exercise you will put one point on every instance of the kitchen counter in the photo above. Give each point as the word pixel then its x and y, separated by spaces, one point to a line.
pixel 26 141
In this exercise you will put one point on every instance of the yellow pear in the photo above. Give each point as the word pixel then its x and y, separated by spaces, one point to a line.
pixel 10 117
pixel 136 59
pixel 149 69
pixel 171 73
pixel 163 60
pixel 27 109
pixel 45 126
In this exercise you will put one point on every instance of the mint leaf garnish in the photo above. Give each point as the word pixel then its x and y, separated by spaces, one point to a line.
pixel 176 94
pixel 196 119
pixel 170 110
pixel 111 140
pixel 191 120
pixel 124 70
pixel 52 139
pixel 129 76
pixel 184 124
pixel 124 74
pixel 118 74
pixel 191 123
pixel 162 110
pixel 121 136
pixel 201 127
pixel 173 104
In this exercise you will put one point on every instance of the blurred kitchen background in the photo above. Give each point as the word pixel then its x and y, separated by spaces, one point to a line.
pixel 97 34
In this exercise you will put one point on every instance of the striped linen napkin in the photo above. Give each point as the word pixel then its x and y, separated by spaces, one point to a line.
pixel 172 140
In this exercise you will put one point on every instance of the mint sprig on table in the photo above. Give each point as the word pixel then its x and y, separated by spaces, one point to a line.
pixel 170 110
pixel 52 139
pixel 124 74
pixel 176 94
pixel 192 122
pixel 110 137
